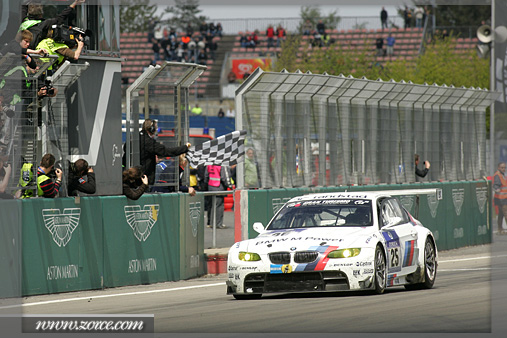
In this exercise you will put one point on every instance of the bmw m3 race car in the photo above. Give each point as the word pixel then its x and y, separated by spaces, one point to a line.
pixel 335 242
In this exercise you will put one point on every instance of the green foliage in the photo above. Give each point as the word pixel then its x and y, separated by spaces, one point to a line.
pixel 313 14
pixel 135 15
pixel 440 64
pixel 471 15
pixel 184 12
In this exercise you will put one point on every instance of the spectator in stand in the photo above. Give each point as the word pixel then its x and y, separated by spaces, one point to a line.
pixel 219 29
pixel 164 45
pixel 180 52
pixel 280 36
pixel 231 77
pixel 390 44
pixel 151 30
pixel 76 179
pixel 156 50
pixel 203 28
pixel 243 40
pixel 230 112
pixel 135 183
pixel 379 43
pixel 212 29
pixel 419 172
pixel 252 40
pixel 321 27
pixel 172 32
pixel 407 16
pixel 221 112
pixel 173 46
pixel 189 31
pixel 307 27
pixel 383 18
pixel 212 48
pixel 317 40
pixel 201 57
pixel 419 14
pixel 45 185
pixel 270 33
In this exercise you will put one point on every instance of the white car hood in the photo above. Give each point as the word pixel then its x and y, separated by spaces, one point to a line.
pixel 308 239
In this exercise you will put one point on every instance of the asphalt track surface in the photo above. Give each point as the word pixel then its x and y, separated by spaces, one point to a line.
pixel 469 297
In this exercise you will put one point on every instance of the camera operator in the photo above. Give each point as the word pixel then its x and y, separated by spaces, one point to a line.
pixel 33 12
pixel 62 50
pixel 76 180
pixel 45 185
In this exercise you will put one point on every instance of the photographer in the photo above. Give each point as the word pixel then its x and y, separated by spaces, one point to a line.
pixel 45 185
pixel 5 173
pixel 76 180
pixel 419 172
pixel 34 22
pixel 135 183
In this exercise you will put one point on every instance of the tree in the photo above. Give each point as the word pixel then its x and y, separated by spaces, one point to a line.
pixel 313 14
pixel 183 13
pixel 135 15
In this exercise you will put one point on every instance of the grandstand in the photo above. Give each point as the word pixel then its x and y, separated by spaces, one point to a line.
pixel 137 52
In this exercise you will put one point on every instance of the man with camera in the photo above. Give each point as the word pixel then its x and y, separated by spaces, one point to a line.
pixel 45 185
pixel 76 180
pixel 419 172
pixel 55 45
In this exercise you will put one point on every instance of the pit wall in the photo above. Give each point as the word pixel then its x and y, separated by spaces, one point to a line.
pixel 89 243
pixel 459 216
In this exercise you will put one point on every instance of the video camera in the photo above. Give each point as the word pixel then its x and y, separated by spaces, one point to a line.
pixel 68 34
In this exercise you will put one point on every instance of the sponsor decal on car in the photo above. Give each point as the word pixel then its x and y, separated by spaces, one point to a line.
pixel 278 268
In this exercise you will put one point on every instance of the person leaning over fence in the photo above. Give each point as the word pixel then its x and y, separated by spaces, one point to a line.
pixel 419 172
pixel 149 149
pixel 81 178
pixel 45 185
pixel 135 183
pixel 500 195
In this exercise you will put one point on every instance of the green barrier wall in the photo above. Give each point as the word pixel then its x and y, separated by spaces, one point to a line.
pixel 192 236
pixel 460 218
pixel 62 245
pixel 97 242
pixel 10 248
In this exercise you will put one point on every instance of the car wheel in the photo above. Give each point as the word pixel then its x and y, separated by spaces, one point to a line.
pixel 247 297
pixel 380 271
pixel 430 267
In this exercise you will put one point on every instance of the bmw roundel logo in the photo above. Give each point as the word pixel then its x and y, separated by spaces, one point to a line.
pixel 293 248
pixel 390 235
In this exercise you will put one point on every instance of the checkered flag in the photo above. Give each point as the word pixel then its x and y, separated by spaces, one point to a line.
pixel 225 150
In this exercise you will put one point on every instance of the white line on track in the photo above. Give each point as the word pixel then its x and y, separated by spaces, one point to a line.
pixel 112 295
pixel 209 285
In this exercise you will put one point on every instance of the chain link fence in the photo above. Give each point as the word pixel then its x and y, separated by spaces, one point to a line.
pixel 321 130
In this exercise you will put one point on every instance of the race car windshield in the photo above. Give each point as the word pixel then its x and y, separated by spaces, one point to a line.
pixel 323 213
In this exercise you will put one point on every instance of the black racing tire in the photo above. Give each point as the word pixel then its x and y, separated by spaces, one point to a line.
pixel 380 265
pixel 248 296
pixel 430 267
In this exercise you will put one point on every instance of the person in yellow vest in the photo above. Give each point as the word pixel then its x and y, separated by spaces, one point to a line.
pixel 500 190
pixel 196 110
pixel 45 185
pixel 61 50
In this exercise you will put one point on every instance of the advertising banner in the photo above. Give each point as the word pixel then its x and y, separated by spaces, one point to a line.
pixel 191 236
pixel 246 66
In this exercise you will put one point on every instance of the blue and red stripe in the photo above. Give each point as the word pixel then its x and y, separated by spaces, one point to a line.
pixel 408 259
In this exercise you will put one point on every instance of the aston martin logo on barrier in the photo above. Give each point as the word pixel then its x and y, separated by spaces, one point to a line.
pixel 278 203
pixel 458 196
pixel 433 205
pixel 61 225
pixel 407 202
pixel 195 214
pixel 142 220
pixel 482 197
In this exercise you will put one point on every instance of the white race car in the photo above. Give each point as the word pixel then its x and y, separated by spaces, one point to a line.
pixel 335 242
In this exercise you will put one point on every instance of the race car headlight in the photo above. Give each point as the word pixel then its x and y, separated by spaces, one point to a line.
pixel 249 256
pixel 344 253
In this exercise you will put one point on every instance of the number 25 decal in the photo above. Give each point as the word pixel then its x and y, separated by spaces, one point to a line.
pixel 395 256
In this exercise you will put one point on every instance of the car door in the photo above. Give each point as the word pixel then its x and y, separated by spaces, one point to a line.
pixel 401 239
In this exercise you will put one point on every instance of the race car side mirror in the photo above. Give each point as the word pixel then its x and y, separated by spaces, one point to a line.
pixel 257 226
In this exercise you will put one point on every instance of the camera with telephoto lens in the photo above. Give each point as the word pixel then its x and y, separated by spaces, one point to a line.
pixel 69 34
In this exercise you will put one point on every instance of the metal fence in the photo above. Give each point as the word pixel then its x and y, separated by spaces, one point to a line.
pixel 321 130
pixel 166 89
